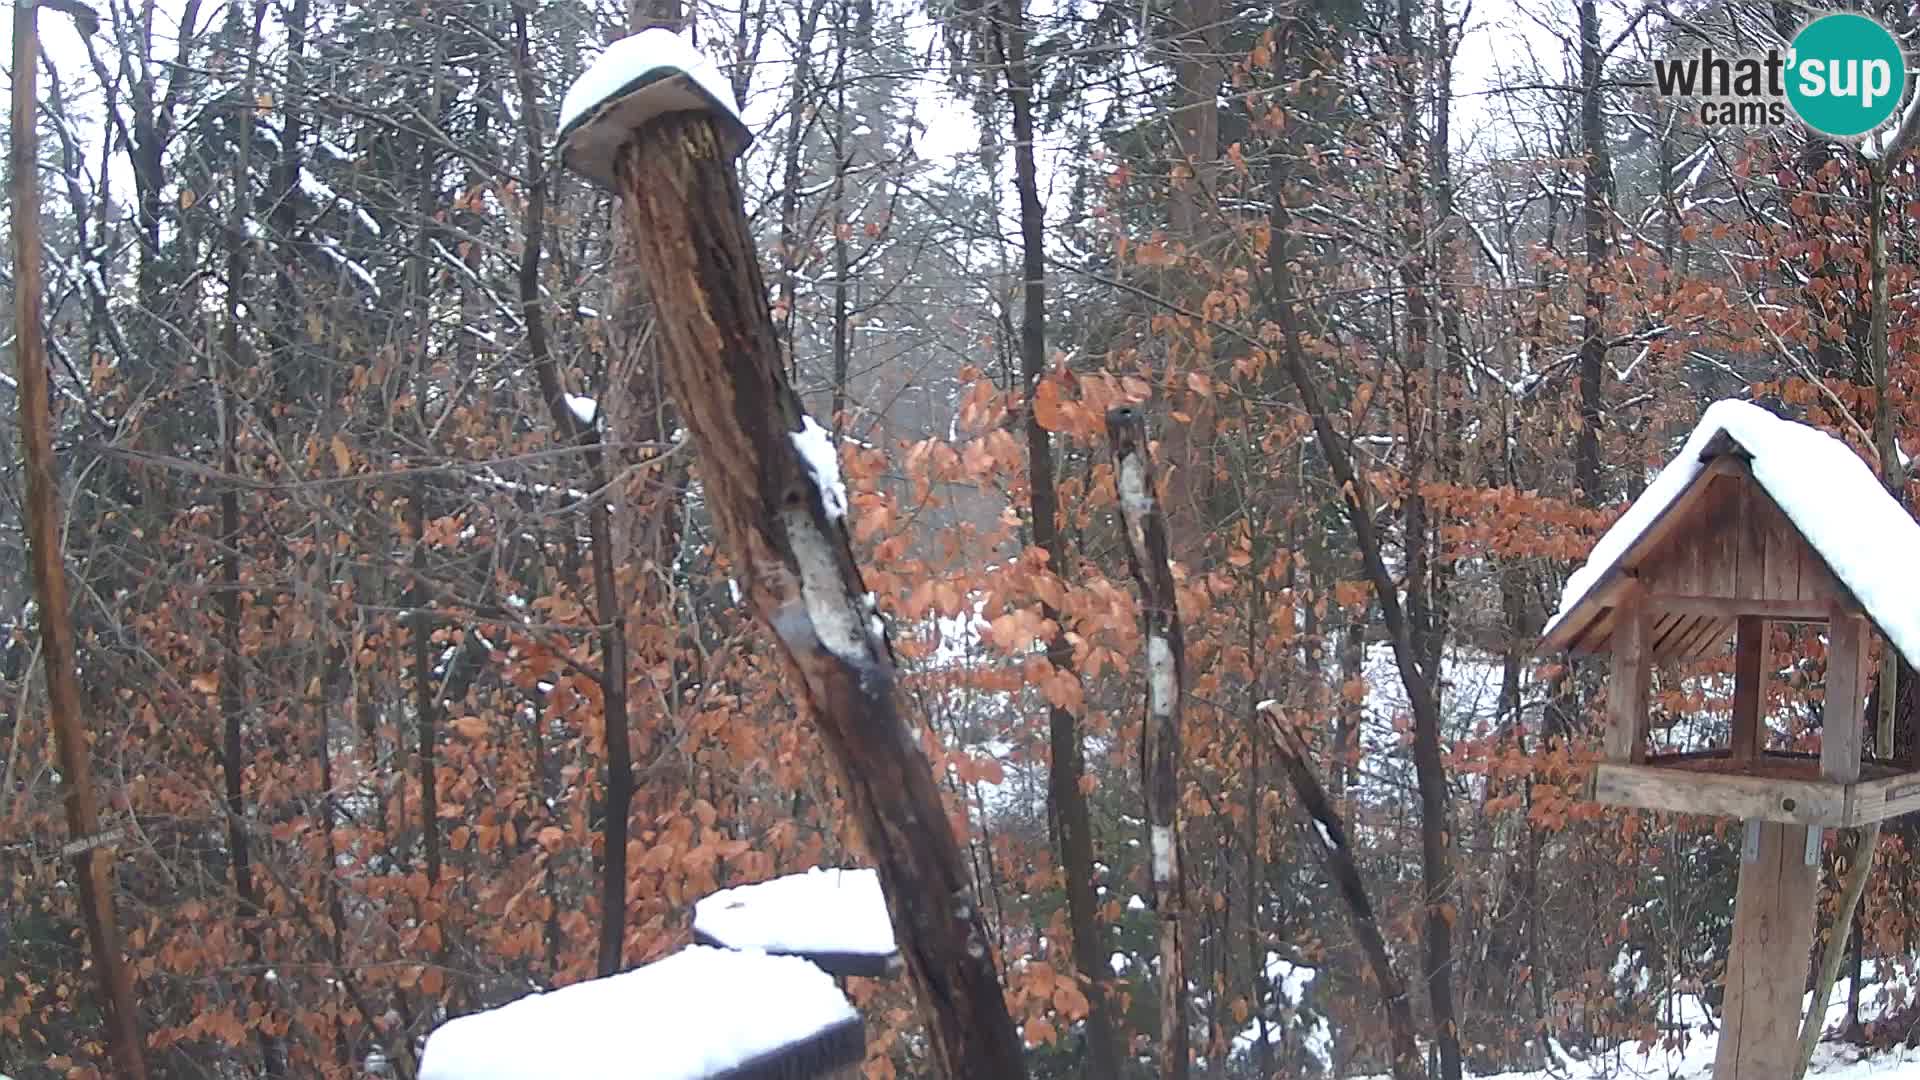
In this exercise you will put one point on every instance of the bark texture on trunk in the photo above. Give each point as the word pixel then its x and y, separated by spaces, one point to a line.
pixel 1146 532
pixel 90 850
pixel 780 512
pixel 1074 821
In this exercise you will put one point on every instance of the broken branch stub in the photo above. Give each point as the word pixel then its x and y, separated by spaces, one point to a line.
pixel 771 483
pixel 1146 529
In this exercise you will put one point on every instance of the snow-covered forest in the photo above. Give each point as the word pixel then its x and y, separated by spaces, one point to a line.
pixel 417 676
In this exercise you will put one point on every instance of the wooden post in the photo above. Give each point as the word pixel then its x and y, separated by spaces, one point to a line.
pixel 782 522
pixel 1773 913
pixel 1628 688
pixel 89 848
pixel 1146 531
pixel 1767 959
pixel 1842 716
pixel 1749 688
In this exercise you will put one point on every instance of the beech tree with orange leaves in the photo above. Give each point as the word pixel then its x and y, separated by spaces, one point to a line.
pixel 420 671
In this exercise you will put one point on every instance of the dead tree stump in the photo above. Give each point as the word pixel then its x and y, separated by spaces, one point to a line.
pixel 1146 529
pixel 783 523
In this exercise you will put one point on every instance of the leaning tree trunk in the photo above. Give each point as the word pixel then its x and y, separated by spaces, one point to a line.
pixel 1336 854
pixel 1146 529
pixel 777 505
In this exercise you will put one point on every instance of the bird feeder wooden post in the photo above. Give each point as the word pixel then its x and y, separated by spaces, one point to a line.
pixel 655 122
pixel 1760 521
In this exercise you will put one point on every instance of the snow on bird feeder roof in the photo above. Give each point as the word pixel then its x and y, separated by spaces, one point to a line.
pixel 1828 494
pixel 835 918
pixel 637 78
pixel 700 1014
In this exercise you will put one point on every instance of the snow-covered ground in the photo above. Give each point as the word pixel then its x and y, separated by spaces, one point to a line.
pixel 1694 1061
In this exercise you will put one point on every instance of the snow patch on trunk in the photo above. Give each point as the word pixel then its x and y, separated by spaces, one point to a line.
pixel 585 409
pixel 1161 840
pixel 815 446
pixel 1136 499
pixel 1162 683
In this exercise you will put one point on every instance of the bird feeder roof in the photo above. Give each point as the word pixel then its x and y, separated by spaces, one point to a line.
pixel 1831 500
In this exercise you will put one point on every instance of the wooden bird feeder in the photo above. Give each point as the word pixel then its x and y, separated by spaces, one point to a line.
pixel 1760 520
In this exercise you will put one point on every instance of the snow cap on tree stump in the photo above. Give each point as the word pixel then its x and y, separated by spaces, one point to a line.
pixel 636 79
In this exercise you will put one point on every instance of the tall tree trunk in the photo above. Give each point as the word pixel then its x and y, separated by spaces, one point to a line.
pixel 284 331
pixel 1194 28
pixel 842 159
pixel 89 849
pixel 799 110
pixel 426 705
pixel 1429 764
pixel 1069 800
pixel 1146 535
pixel 1596 186
pixel 233 696
pixel 1197 63
pixel 1422 616
pixel 608 610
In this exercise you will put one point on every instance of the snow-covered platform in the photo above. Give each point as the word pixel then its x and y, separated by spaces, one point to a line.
pixel 835 918
pixel 699 1014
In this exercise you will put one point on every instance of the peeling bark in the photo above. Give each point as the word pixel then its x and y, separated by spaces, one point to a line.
pixel 1146 530
pixel 681 207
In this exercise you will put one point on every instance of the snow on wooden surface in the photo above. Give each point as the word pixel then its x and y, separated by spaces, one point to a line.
pixel 1832 497
pixel 822 911
pixel 696 1013
pixel 636 79
pixel 635 59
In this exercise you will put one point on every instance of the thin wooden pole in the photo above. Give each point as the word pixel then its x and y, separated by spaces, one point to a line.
pixel 91 851
pixel 772 487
